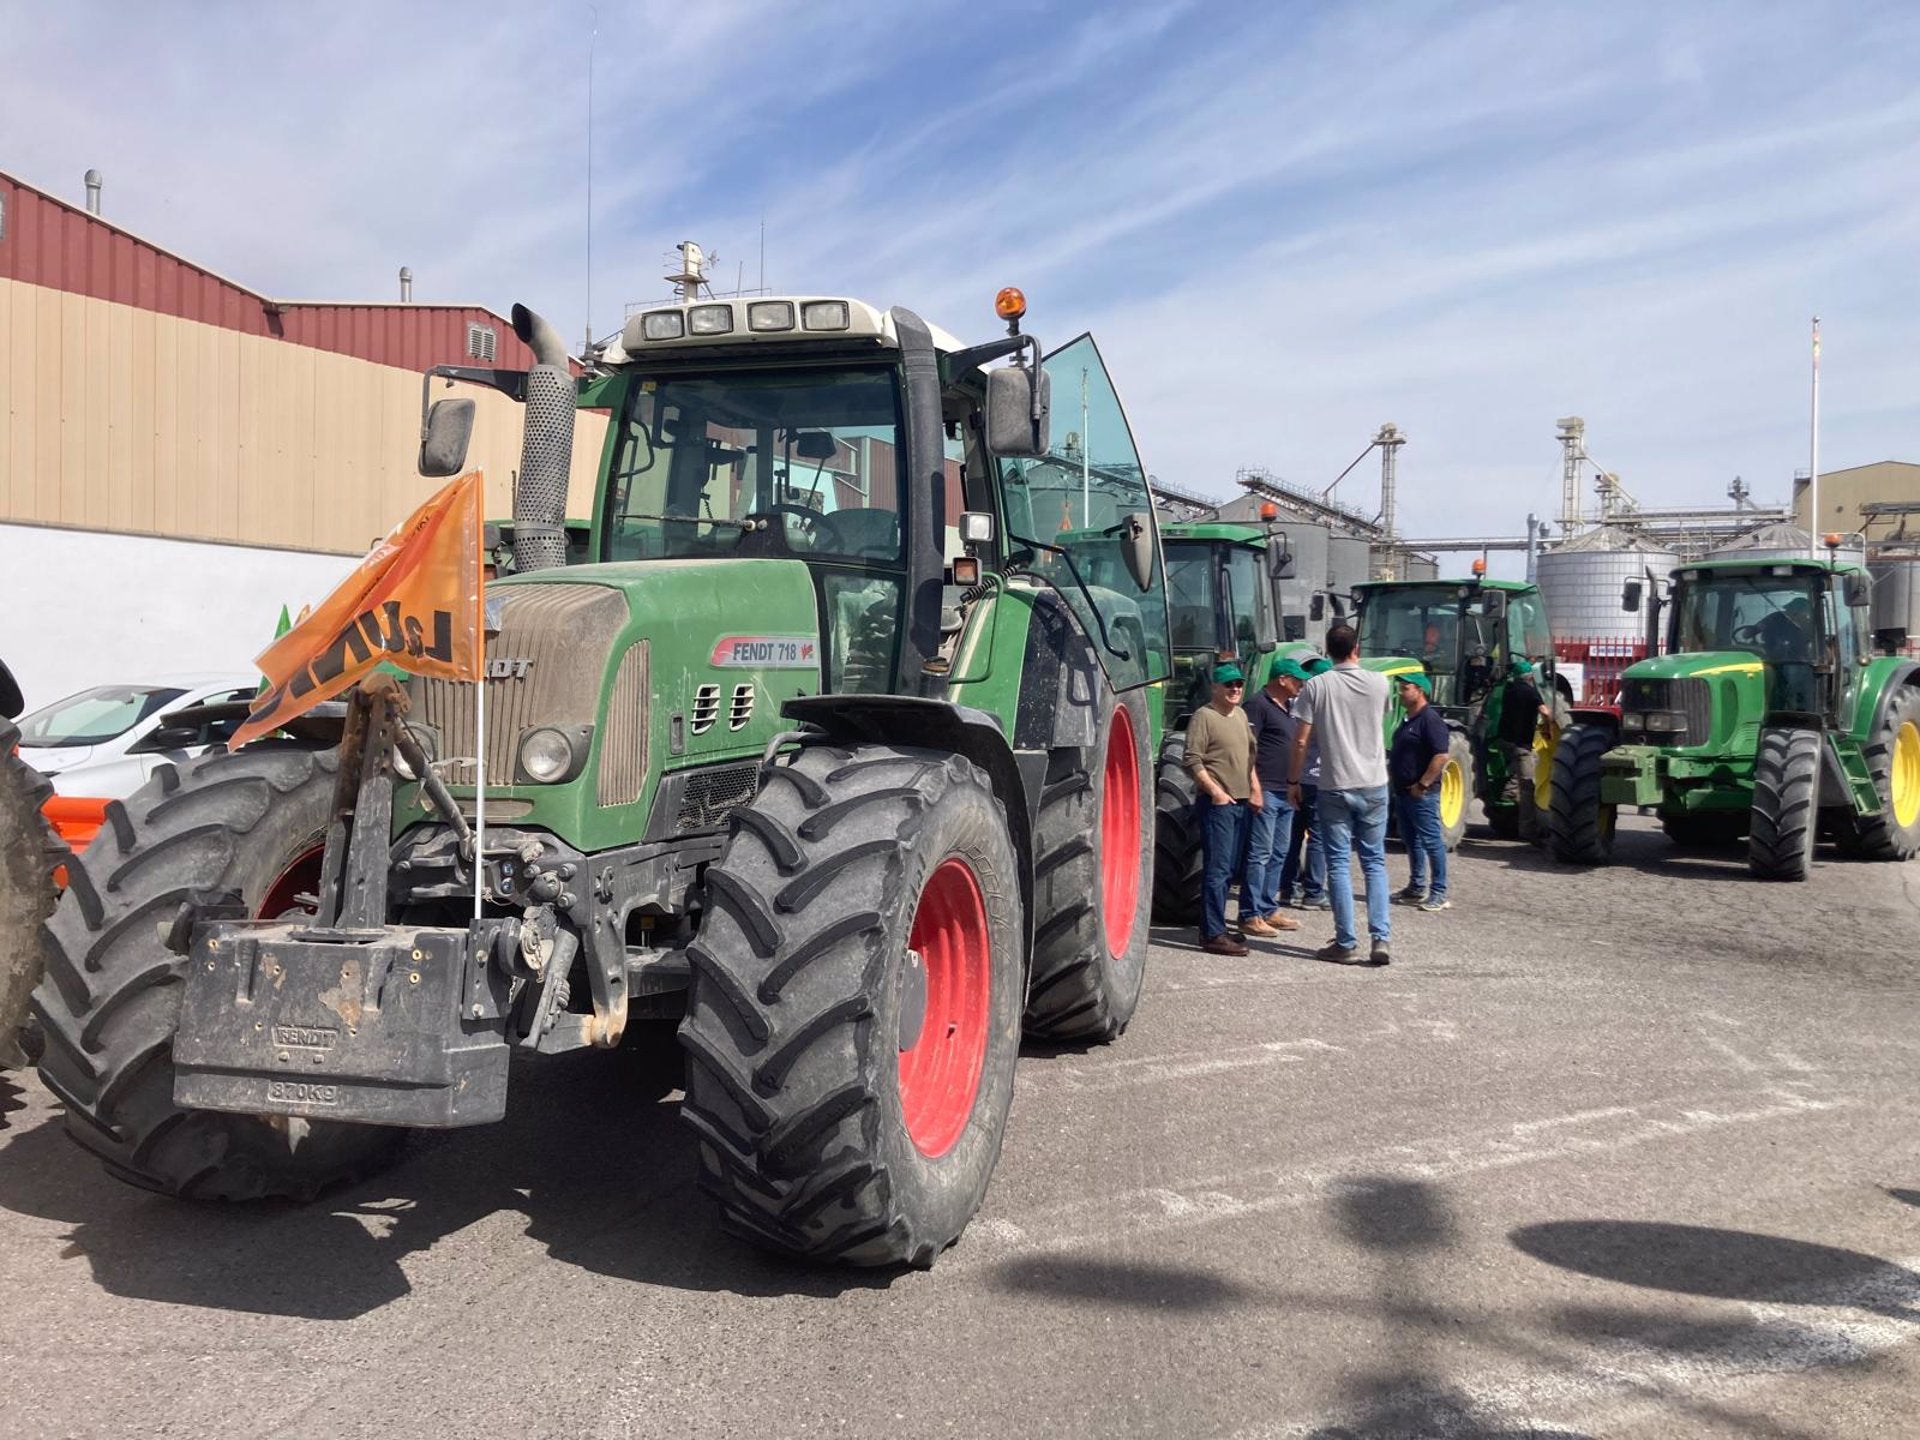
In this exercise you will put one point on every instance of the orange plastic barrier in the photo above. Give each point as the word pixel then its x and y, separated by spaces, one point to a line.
pixel 78 818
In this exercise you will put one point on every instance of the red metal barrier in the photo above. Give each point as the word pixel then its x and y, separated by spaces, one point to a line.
pixel 1601 662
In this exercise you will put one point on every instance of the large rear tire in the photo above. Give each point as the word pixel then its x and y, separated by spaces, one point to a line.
pixel 252 823
pixel 1893 759
pixel 1579 828
pixel 1786 804
pixel 30 853
pixel 1092 876
pixel 854 1017
pixel 1179 858
pixel 1456 785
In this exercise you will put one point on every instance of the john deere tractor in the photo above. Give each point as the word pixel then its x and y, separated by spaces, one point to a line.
pixel 1222 602
pixel 30 854
pixel 1769 717
pixel 833 750
pixel 1464 635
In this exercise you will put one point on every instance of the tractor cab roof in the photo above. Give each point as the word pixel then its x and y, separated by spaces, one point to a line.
pixel 773 321
pixel 1775 565
pixel 1227 531
pixel 1511 587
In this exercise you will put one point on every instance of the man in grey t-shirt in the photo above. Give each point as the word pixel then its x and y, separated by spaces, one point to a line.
pixel 1343 712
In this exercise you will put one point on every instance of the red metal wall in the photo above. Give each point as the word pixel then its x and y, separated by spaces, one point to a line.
pixel 50 243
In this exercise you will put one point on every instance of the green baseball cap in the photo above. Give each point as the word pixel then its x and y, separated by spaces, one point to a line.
pixel 1227 674
pixel 1316 665
pixel 1288 666
pixel 1417 678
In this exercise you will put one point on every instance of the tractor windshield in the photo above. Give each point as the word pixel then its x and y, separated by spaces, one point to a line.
pixel 804 463
pixel 1771 616
pixel 1459 638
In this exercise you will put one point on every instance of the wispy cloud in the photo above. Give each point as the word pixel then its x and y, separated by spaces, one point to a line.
pixel 1287 222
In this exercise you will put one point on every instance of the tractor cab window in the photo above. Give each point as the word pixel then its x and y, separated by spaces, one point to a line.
pixel 801 463
pixel 1244 581
pixel 1067 516
pixel 1527 631
pixel 1457 633
pixel 1774 616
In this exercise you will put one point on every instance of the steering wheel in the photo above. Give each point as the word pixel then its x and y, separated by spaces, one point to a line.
pixel 1746 634
pixel 817 525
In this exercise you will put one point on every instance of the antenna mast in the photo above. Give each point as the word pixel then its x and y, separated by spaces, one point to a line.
pixel 593 38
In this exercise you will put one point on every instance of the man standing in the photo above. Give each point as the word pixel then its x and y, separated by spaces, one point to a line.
pixel 1306 862
pixel 1521 710
pixel 1344 710
pixel 1415 762
pixel 1270 828
pixel 1220 755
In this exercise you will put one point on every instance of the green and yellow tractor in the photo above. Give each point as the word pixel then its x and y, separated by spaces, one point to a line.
pixel 1769 717
pixel 837 750
pixel 1222 602
pixel 1465 636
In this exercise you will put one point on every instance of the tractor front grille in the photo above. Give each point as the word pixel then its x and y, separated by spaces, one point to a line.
pixel 712 795
pixel 1689 697
pixel 544 667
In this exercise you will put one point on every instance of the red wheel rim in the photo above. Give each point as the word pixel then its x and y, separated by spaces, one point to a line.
pixel 1120 834
pixel 940 1075
pixel 300 877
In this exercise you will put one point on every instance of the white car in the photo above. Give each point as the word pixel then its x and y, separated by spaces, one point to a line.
pixel 106 742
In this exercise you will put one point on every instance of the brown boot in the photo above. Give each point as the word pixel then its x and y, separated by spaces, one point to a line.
pixel 1280 920
pixel 1224 945
pixel 1260 929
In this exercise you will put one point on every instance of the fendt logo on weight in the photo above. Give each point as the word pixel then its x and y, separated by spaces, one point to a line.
pixel 504 667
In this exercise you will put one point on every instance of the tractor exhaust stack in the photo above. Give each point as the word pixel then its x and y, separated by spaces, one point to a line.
pixel 546 451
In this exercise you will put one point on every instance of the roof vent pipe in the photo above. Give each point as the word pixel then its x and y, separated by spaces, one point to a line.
pixel 406 285
pixel 93 192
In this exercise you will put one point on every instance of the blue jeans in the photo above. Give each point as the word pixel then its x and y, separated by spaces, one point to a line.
pixel 1356 820
pixel 1306 861
pixel 1225 832
pixel 1419 817
pixel 1268 833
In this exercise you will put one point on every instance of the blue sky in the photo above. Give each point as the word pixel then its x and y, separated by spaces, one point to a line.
pixel 1286 223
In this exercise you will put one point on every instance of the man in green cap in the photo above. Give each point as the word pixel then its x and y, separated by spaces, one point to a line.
pixel 1220 755
pixel 1270 828
pixel 1521 710
pixel 1416 760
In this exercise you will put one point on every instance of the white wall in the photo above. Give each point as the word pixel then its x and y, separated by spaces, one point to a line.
pixel 81 608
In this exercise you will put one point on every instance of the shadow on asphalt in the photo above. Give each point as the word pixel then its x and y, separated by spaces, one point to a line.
pixel 1082 1278
pixel 1723 1264
pixel 1905 1197
pixel 592 1154
pixel 10 1100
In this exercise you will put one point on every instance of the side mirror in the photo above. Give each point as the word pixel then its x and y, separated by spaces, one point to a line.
pixel 1859 591
pixel 1317 609
pixel 445 437
pixel 1630 596
pixel 1019 421
pixel 1136 549
pixel 167 737
pixel 1279 558
pixel 815 445
pixel 1294 627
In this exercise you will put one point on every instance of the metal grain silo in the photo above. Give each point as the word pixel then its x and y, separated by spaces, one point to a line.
pixel 1349 562
pixel 1896 601
pixel 1789 542
pixel 1582 581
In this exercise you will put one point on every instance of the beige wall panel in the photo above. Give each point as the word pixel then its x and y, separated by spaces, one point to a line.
pixel 46 404
pixel 12 396
pixel 123 365
pixel 141 434
pixel 166 425
pixel 73 398
pixel 95 486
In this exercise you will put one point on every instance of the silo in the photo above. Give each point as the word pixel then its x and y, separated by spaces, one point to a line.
pixel 1419 567
pixel 1582 580
pixel 1896 602
pixel 1349 558
pixel 1308 542
pixel 1789 542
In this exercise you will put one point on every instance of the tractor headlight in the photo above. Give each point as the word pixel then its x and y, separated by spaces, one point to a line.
pixel 546 756
pixel 710 320
pixel 1633 722
pixel 663 325
pixel 1665 722
pixel 429 742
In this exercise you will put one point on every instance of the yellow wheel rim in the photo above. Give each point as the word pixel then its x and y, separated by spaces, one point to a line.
pixel 1453 795
pixel 1906 774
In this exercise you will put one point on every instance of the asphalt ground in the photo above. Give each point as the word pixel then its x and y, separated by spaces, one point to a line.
pixel 1623 1153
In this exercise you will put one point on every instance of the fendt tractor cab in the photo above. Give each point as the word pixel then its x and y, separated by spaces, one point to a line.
pixel 1223 602
pixel 1769 717
pixel 1464 635
pixel 833 750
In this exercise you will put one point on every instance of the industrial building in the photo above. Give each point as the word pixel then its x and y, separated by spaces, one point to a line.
pixel 200 452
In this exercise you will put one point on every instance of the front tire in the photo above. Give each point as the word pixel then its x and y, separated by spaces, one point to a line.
pixel 1786 804
pixel 252 823
pixel 1455 787
pixel 1179 858
pixel 850 1102
pixel 1093 872
pixel 29 854
pixel 1579 828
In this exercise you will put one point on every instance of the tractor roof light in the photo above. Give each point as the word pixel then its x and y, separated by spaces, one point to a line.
pixel 710 320
pixel 1269 511
pixel 1831 539
pixel 663 324
pixel 765 315
pixel 824 315
pixel 1479 567
pixel 1010 304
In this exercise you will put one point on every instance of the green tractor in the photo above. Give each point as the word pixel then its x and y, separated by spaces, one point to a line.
pixel 1464 635
pixel 1222 601
pixel 836 751
pixel 30 856
pixel 1768 718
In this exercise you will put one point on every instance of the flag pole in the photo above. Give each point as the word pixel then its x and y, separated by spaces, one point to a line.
pixel 1813 457
pixel 480 741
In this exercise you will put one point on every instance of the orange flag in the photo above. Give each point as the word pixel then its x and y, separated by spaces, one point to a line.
pixel 415 601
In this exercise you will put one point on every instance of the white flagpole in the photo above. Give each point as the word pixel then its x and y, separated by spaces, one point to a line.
pixel 1813 459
